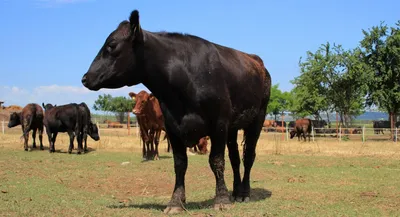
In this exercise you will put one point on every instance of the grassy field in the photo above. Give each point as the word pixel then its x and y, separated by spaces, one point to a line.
pixel 322 178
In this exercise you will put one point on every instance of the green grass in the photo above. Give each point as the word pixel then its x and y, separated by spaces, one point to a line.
pixel 96 184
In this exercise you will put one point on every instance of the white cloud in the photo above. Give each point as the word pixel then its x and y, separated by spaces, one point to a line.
pixel 59 95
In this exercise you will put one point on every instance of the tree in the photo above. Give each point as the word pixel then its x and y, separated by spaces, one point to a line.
pixel 118 105
pixel 381 52
pixel 279 101
pixel 331 79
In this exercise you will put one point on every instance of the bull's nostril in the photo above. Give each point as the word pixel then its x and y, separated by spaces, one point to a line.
pixel 84 79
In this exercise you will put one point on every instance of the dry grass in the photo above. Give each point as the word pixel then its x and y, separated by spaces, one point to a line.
pixel 269 143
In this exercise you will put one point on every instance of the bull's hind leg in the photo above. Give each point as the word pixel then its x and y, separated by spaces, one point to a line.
pixel 217 164
pixel 34 138
pixel 234 157
pixel 251 134
pixel 71 141
pixel 156 142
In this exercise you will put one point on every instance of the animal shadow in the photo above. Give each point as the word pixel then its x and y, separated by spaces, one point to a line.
pixel 257 194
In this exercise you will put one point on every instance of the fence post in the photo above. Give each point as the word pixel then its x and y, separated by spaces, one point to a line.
pixel 363 134
pixel 340 134
pixel 287 132
pixel 2 126
pixel 396 135
pixel 312 133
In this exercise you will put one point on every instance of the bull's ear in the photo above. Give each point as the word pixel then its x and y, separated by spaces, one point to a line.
pixel 136 30
pixel 151 96
pixel 132 94
pixel 43 105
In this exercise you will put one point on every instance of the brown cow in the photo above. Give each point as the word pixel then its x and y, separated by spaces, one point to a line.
pixel 201 147
pixel 31 118
pixel 151 121
pixel 268 123
pixel 302 126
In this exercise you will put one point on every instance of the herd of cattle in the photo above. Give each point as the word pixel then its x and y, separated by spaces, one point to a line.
pixel 75 119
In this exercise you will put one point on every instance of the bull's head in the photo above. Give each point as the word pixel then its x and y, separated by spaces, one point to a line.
pixel 94 132
pixel 15 119
pixel 120 59
pixel 292 134
pixel 142 98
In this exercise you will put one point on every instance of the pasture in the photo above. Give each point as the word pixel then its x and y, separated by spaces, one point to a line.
pixel 289 178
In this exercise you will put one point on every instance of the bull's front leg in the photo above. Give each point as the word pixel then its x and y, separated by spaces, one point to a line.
pixel 178 198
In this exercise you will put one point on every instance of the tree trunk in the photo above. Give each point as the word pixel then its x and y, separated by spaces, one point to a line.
pixel 329 121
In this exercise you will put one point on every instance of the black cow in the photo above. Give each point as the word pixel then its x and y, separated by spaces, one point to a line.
pixel 88 128
pixel 64 118
pixel 203 89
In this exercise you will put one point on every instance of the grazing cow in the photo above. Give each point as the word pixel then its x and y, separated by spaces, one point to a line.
pixel 64 118
pixel 151 121
pixel 203 89
pixel 31 118
pixel 302 126
pixel 88 127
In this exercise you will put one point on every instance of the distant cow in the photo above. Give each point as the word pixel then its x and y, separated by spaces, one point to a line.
pixel 31 118
pixel 113 124
pixel 88 128
pixel 302 126
pixel 269 123
pixel 318 124
pixel 201 147
pixel 151 121
pixel 64 118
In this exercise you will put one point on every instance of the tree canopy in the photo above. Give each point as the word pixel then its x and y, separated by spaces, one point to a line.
pixel 118 105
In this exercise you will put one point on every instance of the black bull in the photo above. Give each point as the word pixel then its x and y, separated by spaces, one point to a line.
pixel 203 89
pixel 71 118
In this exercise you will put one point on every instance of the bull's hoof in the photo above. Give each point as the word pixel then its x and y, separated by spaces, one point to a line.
pixel 240 199
pixel 34 146
pixel 156 158
pixel 51 151
pixel 41 148
pixel 69 151
pixel 78 152
pixel 26 149
pixel 173 210
pixel 222 206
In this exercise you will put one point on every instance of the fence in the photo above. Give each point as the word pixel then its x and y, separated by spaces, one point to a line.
pixel 317 134
pixel 341 134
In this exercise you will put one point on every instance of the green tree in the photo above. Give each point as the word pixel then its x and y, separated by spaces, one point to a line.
pixel 118 105
pixel 331 79
pixel 381 52
pixel 279 101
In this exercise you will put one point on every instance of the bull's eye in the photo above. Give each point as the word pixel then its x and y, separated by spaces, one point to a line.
pixel 111 46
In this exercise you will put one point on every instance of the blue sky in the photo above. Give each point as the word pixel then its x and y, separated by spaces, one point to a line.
pixel 47 45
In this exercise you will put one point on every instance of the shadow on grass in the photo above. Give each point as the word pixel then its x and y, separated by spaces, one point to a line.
pixel 257 194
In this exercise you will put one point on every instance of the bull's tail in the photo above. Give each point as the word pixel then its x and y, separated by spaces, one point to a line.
pixel 27 126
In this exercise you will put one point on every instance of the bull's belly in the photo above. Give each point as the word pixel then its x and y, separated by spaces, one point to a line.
pixel 245 118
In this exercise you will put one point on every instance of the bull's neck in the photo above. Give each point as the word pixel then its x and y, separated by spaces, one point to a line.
pixel 158 51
